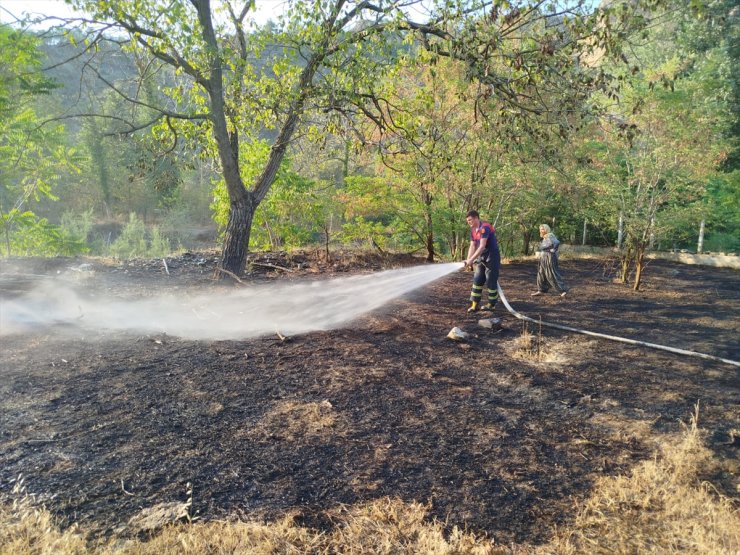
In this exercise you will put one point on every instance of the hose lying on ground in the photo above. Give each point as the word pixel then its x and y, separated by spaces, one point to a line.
pixel 612 337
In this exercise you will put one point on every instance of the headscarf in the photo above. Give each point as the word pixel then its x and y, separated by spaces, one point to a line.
pixel 549 234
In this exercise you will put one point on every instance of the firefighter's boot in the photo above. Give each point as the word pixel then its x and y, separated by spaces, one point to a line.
pixel 492 300
pixel 473 307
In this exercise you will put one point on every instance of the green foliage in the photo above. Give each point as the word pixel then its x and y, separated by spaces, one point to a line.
pixel 159 175
pixel 30 235
pixel 495 113
pixel 369 209
pixel 292 213
pixel 75 229
pixel 253 155
pixel 721 242
pixel 361 232
pixel 33 157
pixel 77 226
pixel 664 145
pixel 132 242
pixel 19 56
pixel 159 245
pixel 183 225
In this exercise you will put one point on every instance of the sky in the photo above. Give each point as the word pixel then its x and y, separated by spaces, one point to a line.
pixel 18 8
pixel 13 9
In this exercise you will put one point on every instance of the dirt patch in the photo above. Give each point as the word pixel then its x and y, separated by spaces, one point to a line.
pixel 491 433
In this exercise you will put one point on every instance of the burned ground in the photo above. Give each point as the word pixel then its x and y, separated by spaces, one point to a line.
pixel 504 433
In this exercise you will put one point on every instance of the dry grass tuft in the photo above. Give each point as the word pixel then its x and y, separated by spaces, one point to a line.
pixel 253 538
pixel 382 527
pixel 533 347
pixel 661 507
pixel 291 419
pixel 528 345
pixel 27 529
pixel 388 526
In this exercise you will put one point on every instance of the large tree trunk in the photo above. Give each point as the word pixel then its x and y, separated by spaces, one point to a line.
pixel 236 240
pixel 243 202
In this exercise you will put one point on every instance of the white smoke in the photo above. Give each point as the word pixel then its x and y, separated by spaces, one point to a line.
pixel 290 307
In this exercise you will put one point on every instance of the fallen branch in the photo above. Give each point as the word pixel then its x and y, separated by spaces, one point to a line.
pixel 166 269
pixel 265 265
pixel 50 440
pixel 232 274
pixel 124 489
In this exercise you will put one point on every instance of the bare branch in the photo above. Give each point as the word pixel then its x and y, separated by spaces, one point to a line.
pixel 163 112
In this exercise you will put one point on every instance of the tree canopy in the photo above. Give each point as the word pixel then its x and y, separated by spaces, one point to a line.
pixel 379 123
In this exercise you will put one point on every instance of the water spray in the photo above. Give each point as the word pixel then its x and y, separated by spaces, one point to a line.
pixel 287 308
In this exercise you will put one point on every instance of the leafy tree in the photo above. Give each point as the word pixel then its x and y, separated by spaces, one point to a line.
pixel 99 161
pixel 431 127
pixel 370 205
pixel 32 158
pixel 332 52
pixel 228 94
pixel 656 178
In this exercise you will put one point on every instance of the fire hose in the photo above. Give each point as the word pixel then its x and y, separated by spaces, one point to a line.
pixel 612 337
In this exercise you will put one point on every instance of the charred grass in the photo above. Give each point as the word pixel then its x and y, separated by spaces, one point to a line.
pixel 661 506
pixel 384 436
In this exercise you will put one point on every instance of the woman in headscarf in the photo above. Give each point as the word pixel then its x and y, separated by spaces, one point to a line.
pixel 548 272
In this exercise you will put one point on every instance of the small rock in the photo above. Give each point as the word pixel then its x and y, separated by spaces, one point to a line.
pixel 457 334
pixel 489 323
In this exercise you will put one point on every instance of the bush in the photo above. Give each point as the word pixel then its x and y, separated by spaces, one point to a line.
pixel 74 230
pixel 132 242
pixel 721 242
pixel 28 235
pixel 159 245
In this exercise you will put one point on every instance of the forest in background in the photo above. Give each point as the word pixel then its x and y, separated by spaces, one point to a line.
pixel 105 149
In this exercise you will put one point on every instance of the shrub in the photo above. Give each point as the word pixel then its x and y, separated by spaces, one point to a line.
pixel 133 242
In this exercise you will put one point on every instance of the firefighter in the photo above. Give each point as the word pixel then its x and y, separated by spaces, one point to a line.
pixel 483 250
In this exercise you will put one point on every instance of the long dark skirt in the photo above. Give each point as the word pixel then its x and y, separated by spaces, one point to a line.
pixel 548 274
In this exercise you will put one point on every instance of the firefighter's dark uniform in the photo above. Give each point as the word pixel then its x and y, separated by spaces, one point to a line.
pixel 487 270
